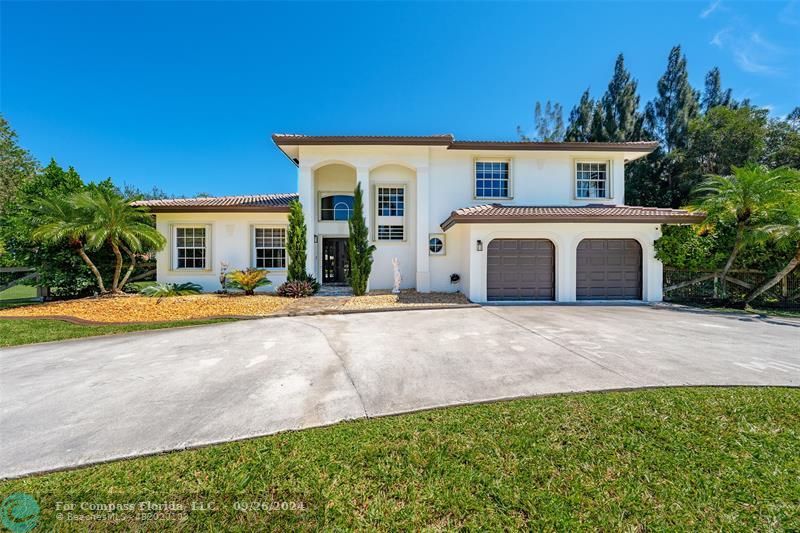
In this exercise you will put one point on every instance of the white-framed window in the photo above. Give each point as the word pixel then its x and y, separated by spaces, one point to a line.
pixel 335 206
pixel 592 179
pixel 492 178
pixel 269 247
pixel 436 244
pixel 190 250
pixel 390 212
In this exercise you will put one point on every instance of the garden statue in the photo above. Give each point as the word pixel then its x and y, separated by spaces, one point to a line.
pixel 223 275
pixel 397 277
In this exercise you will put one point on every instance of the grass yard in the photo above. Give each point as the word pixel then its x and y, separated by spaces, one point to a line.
pixel 11 296
pixel 16 332
pixel 662 459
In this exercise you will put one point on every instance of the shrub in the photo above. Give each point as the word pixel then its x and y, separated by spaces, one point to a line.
pixel 296 289
pixel 248 280
pixel 161 290
pixel 311 280
pixel 358 246
pixel 296 243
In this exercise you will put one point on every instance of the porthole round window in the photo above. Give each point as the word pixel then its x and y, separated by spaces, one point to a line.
pixel 435 245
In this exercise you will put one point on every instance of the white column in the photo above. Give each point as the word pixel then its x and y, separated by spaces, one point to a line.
pixel 566 265
pixel 423 227
pixel 362 177
pixel 477 274
pixel 652 269
pixel 305 187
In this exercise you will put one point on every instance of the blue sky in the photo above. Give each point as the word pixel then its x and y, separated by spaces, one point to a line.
pixel 185 95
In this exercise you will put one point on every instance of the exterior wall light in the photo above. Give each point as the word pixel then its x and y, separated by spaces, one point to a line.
pixel 316 239
pixel 479 245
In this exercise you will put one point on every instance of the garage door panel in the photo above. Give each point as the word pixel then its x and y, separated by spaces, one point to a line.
pixel 609 269
pixel 520 269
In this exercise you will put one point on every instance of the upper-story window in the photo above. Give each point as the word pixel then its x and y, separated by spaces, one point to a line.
pixel 492 179
pixel 591 179
pixel 390 215
pixel 336 207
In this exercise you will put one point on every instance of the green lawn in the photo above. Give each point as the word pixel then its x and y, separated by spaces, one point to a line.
pixel 18 292
pixel 22 331
pixel 668 459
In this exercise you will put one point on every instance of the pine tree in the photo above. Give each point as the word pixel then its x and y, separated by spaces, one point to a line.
pixel 548 123
pixel 713 95
pixel 580 120
pixel 598 131
pixel 358 246
pixel 621 119
pixel 676 103
pixel 296 243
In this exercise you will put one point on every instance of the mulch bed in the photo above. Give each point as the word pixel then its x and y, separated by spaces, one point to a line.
pixel 142 310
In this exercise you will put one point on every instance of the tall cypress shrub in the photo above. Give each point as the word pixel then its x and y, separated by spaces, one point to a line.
pixel 296 243
pixel 358 246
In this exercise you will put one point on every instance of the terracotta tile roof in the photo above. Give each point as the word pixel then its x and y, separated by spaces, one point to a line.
pixel 632 146
pixel 297 139
pixel 250 202
pixel 498 213
pixel 448 140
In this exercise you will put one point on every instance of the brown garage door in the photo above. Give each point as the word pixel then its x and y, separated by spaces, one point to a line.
pixel 520 269
pixel 609 269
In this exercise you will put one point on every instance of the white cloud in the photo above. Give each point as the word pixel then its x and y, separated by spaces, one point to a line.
pixel 718 38
pixel 751 51
pixel 710 9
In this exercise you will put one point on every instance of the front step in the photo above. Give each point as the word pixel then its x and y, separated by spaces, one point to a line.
pixel 335 290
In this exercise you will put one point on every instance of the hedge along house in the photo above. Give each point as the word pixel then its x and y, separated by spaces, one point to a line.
pixel 521 221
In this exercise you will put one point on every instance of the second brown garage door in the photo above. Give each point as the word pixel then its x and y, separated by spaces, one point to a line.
pixel 520 269
pixel 609 269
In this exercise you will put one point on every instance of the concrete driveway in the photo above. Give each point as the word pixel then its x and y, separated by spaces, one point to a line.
pixel 77 402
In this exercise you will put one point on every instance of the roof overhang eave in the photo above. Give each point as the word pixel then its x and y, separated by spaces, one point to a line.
pixel 454 219
pixel 218 209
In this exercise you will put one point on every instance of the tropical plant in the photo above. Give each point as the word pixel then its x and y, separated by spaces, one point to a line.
pixel 358 246
pixel 296 243
pixel 295 289
pixel 747 200
pixel 92 219
pixel 788 232
pixel 114 221
pixel 248 280
pixel 162 290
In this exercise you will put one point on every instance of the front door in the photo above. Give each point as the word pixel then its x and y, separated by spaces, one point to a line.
pixel 335 260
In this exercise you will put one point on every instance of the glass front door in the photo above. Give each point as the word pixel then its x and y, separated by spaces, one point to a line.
pixel 335 260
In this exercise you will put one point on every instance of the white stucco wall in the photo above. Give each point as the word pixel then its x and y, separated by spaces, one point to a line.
pixel 382 271
pixel 437 181
pixel 566 238
pixel 230 241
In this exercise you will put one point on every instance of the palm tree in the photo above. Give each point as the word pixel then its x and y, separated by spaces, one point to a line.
pixel 745 199
pixel 788 232
pixel 112 220
pixel 92 219
pixel 63 222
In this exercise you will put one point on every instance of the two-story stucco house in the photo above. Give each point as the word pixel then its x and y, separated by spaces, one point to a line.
pixel 495 220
